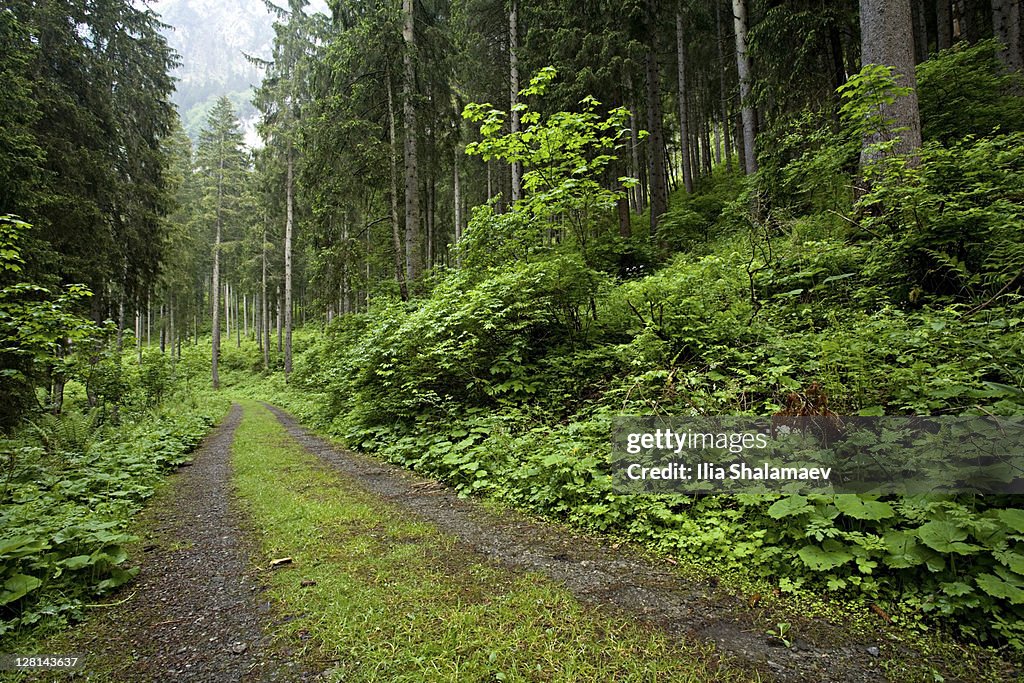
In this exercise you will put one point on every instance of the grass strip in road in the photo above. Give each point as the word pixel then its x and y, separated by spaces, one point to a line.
pixel 379 596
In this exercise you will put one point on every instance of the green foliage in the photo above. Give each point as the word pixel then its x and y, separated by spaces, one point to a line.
pixel 953 224
pixel 37 326
pixel 504 380
pixel 563 155
pixel 70 491
pixel 966 90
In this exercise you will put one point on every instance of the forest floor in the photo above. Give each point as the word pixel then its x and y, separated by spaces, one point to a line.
pixel 277 556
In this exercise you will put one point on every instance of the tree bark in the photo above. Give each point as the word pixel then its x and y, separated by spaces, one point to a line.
pixel 513 70
pixel 656 139
pixel 743 67
pixel 396 234
pixel 920 31
pixel 1006 29
pixel 886 38
pixel 215 351
pixel 724 90
pixel 457 192
pixel 288 226
pixel 683 120
pixel 412 198
pixel 944 24
pixel 265 322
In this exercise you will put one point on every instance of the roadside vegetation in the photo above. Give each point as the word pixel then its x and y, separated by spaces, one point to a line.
pixel 900 300
pixel 388 598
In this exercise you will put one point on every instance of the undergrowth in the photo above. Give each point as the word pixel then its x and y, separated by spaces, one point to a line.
pixel 903 300
pixel 71 487
pixel 386 598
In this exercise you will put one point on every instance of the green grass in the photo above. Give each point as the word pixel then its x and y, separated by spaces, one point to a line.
pixel 397 600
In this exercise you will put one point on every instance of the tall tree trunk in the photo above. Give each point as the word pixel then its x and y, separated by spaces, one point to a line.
pixel 706 148
pixel 138 330
pixel 120 321
pixel 724 94
pixel 265 322
pixel 279 316
pixel 170 324
pixel 513 88
pixel 743 67
pixel 718 143
pixel 215 285
pixel 288 226
pixel 457 192
pixel 431 195
pixel 835 40
pixel 920 31
pixel 396 234
pixel 216 305
pixel 656 140
pixel 944 22
pixel 1006 29
pixel 886 28
pixel 634 153
pixel 684 141
pixel 238 326
pixel 412 198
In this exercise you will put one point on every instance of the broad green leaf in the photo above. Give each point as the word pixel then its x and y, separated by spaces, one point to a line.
pixel 1013 518
pixel 18 586
pixel 998 588
pixel 822 559
pixel 945 537
pixel 77 562
pixel 854 506
pixel 790 506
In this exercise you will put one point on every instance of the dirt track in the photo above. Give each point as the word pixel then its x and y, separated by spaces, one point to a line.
pixel 196 611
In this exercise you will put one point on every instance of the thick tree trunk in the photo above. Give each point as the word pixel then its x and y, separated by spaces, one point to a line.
pixel 288 226
pixel 513 71
pixel 684 141
pixel 412 183
pixel 743 67
pixel 944 24
pixel 396 233
pixel 1006 29
pixel 656 139
pixel 886 38
pixel 838 62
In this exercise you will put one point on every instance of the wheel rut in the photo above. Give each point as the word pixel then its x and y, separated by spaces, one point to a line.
pixel 195 613
pixel 601 572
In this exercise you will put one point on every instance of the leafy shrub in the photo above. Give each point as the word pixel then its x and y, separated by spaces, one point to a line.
pixel 965 90
pixel 68 503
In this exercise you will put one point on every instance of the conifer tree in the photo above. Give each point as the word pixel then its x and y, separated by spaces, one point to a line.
pixel 221 171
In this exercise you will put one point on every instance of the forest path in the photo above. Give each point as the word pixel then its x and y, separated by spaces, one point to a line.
pixel 195 612
pixel 599 571
pixel 386 564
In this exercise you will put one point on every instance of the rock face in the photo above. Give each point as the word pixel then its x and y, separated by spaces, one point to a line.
pixel 212 38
